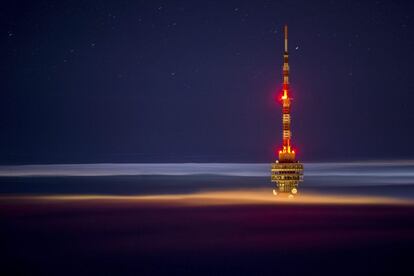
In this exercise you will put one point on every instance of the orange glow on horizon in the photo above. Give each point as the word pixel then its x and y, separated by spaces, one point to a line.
pixel 210 198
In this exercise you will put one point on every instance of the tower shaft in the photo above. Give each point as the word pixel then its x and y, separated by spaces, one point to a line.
pixel 286 153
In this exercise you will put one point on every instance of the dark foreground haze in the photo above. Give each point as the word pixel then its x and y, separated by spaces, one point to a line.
pixel 211 219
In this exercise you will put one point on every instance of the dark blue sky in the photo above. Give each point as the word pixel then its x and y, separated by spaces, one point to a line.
pixel 195 81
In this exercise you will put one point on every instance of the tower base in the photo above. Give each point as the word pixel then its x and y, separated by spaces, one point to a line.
pixel 287 176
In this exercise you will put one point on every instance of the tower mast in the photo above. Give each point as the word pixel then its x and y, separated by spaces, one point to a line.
pixel 287 134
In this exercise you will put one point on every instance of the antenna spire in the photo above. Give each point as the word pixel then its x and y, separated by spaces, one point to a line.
pixel 286 63
pixel 286 39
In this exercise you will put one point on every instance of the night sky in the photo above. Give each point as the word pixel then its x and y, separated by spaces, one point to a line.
pixel 196 81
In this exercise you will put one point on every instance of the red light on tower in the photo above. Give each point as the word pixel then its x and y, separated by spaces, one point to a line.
pixel 287 171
